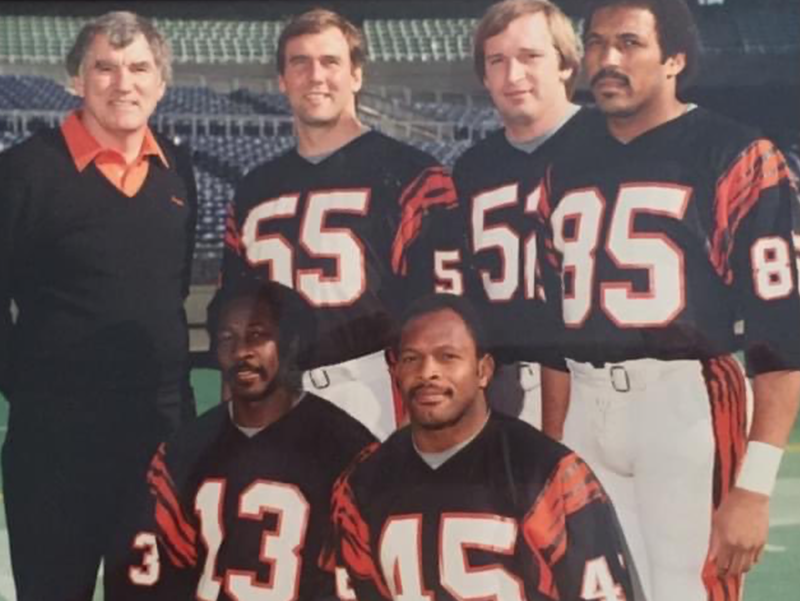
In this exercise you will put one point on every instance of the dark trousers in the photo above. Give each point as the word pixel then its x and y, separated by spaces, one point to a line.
pixel 74 467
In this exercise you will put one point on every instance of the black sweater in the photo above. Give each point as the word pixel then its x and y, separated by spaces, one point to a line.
pixel 99 278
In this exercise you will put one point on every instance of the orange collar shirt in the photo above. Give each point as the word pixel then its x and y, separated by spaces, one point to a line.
pixel 84 149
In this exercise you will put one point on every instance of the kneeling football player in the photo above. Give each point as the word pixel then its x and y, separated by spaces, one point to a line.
pixel 466 503
pixel 242 495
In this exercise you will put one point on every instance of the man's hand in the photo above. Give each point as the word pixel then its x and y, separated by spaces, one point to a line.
pixel 739 531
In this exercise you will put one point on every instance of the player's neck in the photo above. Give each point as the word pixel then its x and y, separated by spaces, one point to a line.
pixel 315 140
pixel 525 131
pixel 628 128
pixel 262 413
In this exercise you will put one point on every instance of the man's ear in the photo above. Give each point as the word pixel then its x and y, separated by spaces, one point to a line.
pixel 358 79
pixel 77 85
pixel 675 64
pixel 485 370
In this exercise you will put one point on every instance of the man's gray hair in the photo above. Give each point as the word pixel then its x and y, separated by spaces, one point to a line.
pixel 120 27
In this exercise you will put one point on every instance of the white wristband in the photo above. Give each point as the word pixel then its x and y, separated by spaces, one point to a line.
pixel 760 467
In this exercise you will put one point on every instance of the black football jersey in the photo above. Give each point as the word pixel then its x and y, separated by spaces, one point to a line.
pixel 513 515
pixel 498 188
pixel 236 517
pixel 349 233
pixel 664 242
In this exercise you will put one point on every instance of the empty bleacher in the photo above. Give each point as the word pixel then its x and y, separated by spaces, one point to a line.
pixel 26 92
pixel 203 100
pixel 464 115
pixel 424 40
pixel 34 93
pixel 29 39
pixel 26 39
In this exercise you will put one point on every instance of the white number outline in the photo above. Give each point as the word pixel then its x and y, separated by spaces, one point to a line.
pixel 315 238
pixel 344 590
pixel 448 278
pixel 560 216
pixel 506 242
pixel 460 532
pixel 242 584
pixel 270 249
pixel 403 526
pixel 758 261
pixel 598 583
pixel 449 569
pixel 148 572
pixel 499 237
pixel 672 202
pixel 625 212
pixel 210 494
pixel 348 202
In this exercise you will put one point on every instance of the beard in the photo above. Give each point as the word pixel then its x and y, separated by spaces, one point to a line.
pixel 262 388
pixel 422 415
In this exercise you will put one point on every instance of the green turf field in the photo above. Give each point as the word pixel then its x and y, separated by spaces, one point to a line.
pixel 776 578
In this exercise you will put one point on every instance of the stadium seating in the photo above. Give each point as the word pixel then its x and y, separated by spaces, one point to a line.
pixel 445 151
pixel 34 93
pixel 770 31
pixel 8 139
pixel 41 93
pixel 484 117
pixel 423 40
pixel 31 39
pixel 46 39
pixel 203 100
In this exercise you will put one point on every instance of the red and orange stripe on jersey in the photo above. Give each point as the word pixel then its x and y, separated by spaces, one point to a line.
pixel 513 505
pixel 727 399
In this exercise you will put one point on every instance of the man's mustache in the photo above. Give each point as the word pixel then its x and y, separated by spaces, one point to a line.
pixel 610 74
pixel 438 389
pixel 245 366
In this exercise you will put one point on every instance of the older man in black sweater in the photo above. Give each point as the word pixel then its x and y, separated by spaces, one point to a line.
pixel 96 236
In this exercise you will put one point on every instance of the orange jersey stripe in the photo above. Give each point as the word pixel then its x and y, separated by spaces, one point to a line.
pixel 759 167
pixel 181 553
pixel 543 209
pixel 580 485
pixel 727 396
pixel 162 487
pixel 352 531
pixel 178 534
pixel 232 238
pixel 571 488
pixel 431 188
pixel 719 588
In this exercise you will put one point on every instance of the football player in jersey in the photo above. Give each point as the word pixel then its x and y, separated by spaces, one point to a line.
pixel 667 223
pixel 527 54
pixel 242 495
pixel 341 218
pixel 466 503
